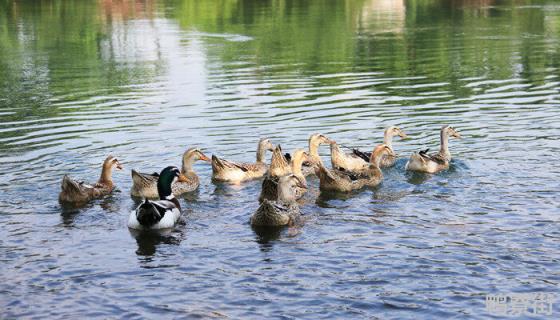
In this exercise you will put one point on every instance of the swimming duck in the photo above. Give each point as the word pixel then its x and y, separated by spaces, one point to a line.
pixel 300 157
pixel 346 161
pixel 236 172
pixel 283 211
pixel 433 163
pixel 351 161
pixel 79 192
pixel 345 181
pixel 310 165
pixel 160 214
pixel 278 168
pixel 145 185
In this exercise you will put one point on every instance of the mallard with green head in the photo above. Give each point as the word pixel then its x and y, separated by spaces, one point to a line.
pixel 160 214
pixel 78 192
pixel 145 185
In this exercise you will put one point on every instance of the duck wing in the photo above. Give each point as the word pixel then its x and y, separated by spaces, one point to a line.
pixel 269 189
pixel 150 213
pixel 288 157
pixel 361 154
pixel 436 157
pixel 225 164
pixel 72 186
pixel 142 178
pixel 352 175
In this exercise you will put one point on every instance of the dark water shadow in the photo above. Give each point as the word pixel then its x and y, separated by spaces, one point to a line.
pixel 326 196
pixel 69 211
pixel 417 178
pixel 149 240
pixel 265 236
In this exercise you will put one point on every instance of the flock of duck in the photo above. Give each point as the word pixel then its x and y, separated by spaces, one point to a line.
pixel 283 185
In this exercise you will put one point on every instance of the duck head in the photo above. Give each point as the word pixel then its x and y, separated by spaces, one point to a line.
pixel 265 144
pixel 394 131
pixel 195 154
pixel 166 178
pixel 111 163
pixel 287 186
pixel 319 138
pixel 450 132
pixel 379 152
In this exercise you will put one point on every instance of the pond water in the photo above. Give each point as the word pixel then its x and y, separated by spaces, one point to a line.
pixel 145 80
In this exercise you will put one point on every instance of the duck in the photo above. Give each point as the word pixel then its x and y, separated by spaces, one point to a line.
pixel 283 211
pixel 144 185
pixel 346 181
pixel 310 165
pixel 357 160
pixel 159 214
pixel 279 167
pixel 78 192
pixel 433 163
pixel 346 161
pixel 300 157
pixel 237 172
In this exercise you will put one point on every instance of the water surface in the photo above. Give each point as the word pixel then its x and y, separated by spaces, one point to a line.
pixel 145 80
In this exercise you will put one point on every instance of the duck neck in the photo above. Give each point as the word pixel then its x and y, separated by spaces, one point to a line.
pixel 165 192
pixel 106 175
pixel 261 153
pixel 375 162
pixel 388 139
pixel 188 162
pixel 296 166
pixel 314 152
pixel 444 148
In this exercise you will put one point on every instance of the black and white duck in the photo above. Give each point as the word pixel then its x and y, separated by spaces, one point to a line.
pixel 160 214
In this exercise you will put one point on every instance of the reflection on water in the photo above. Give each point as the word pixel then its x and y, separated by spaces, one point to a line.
pixel 144 80
pixel 148 241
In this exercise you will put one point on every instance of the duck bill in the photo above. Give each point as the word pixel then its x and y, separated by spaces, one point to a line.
pixel 403 135
pixel 457 135
pixel 301 185
pixel 119 166
pixel 182 178
pixel 203 157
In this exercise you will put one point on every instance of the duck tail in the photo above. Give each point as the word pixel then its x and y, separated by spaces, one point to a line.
pixel 217 163
pixel 419 156
pixel 69 185
pixel 364 155
pixel 142 178
pixel 147 214
pixel 136 177
pixel 323 173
